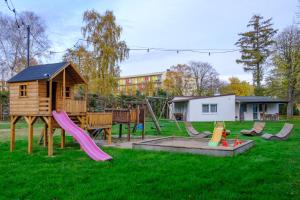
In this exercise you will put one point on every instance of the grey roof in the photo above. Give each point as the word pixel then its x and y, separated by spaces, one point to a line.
pixel 188 98
pixel 258 99
pixel 37 72
pixel 242 99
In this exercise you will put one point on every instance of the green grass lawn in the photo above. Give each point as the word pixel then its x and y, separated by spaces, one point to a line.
pixel 270 170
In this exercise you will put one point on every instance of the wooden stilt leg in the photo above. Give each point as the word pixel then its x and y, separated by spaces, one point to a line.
pixel 12 134
pixel 128 135
pixel 50 138
pixel 143 131
pixel 30 137
pixel 63 135
pixel 45 135
pixel 107 132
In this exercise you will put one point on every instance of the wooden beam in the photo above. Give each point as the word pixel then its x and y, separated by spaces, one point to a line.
pixel 128 134
pixel 45 135
pixel 107 132
pixel 50 137
pixel 64 90
pixel 63 138
pixel 50 95
pixel 12 133
pixel 30 133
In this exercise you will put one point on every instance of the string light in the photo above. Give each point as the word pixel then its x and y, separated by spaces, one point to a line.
pixel 146 49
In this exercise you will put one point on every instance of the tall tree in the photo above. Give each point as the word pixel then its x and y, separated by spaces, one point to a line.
pixel 285 77
pixel 13 43
pixel 206 78
pixel 255 47
pixel 237 87
pixel 103 35
pixel 178 80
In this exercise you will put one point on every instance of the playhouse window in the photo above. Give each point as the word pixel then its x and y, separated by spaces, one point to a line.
pixel 23 90
pixel 68 92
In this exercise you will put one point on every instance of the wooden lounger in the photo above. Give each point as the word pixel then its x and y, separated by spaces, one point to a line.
pixel 257 129
pixel 283 134
pixel 193 132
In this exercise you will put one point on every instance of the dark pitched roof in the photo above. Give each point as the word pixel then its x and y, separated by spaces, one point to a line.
pixel 37 72
pixel 258 99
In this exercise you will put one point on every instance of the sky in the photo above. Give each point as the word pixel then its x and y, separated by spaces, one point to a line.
pixel 175 24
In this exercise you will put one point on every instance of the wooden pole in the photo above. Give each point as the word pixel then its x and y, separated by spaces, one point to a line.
pixel 86 97
pixel 45 135
pixel 64 90
pixel 63 138
pixel 128 124
pixel 29 121
pixel 50 95
pixel 50 137
pixel 12 133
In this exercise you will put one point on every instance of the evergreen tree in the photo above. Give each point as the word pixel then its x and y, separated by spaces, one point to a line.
pixel 255 47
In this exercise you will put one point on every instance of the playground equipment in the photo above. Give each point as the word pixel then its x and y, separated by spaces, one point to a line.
pixel 127 117
pixel 39 90
pixel 257 129
pixel 218 133
pixel 86 143
pixel 283 134
pixel 193 132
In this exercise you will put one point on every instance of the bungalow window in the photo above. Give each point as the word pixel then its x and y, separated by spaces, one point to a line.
pixel 213 108
pixel 205 108
pixel 23 90
pixel 261 107
pixel 209 108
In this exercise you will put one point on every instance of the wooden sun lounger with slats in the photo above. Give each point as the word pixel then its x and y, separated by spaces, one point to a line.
pixel 193 132
pixel 283 134
pixel 257 129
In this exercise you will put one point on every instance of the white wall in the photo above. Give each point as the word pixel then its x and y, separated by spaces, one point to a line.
pixel 272 108
pixel 225 111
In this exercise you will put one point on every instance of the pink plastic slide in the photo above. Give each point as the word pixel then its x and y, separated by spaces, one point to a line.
pixel 86 143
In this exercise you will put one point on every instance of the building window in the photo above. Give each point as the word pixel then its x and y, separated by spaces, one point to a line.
pixel 23 90
pixel 205 108
pixel 213 108
pixel 243 107
pixel 209 108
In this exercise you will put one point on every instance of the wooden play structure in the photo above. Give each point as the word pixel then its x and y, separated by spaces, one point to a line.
pixel 127 117
pixel 38 90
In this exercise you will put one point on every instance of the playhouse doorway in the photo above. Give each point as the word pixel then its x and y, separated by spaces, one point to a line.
pixel 53 100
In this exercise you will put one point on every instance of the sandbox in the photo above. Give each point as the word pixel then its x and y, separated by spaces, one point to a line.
pixel 193 145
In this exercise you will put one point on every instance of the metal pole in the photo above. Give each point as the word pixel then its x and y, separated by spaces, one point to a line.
pixel 28 44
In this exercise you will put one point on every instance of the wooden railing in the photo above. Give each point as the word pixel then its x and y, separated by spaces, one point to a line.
pixel 44 105
pixel 99 120
pixel 75 106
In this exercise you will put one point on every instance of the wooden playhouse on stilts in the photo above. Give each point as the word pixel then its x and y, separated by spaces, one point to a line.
pixel 39 90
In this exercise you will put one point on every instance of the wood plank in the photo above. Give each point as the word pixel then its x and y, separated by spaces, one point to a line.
pixel 63 138
pixel 50 137
pixel 12 133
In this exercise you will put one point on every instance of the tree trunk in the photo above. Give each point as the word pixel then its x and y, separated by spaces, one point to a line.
pixel 290 98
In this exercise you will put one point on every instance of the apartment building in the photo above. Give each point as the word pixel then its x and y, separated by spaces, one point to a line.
pixel 144 84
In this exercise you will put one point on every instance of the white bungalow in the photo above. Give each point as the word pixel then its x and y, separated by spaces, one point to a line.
pixel 225 108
